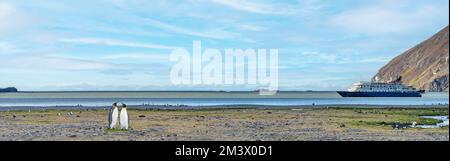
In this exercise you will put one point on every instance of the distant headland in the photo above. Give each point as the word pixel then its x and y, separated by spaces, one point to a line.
pixel 9 89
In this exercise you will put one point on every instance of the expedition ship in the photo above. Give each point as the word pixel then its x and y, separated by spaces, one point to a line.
pixel 379 89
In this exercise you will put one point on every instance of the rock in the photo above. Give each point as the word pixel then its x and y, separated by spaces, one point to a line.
pixel 399 126
pixel 439 84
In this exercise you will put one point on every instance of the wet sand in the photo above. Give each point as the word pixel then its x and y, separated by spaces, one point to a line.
pixel 242 123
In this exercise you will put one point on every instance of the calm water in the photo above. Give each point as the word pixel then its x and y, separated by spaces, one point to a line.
pixel 444 122
pixel 204 98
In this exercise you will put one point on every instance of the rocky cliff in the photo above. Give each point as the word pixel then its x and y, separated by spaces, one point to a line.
pixel 424 66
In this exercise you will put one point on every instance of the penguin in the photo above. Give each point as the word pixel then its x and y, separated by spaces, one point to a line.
pixel 124 117
pixel 113 116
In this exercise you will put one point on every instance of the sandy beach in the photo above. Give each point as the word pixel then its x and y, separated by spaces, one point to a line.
pixel 247 124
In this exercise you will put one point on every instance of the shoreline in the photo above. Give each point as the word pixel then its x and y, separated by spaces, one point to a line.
pixel 182 107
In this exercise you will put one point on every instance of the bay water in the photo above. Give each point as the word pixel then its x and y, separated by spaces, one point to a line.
pixel 205 98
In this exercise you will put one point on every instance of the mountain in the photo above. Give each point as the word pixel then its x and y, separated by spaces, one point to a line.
pixel 424 66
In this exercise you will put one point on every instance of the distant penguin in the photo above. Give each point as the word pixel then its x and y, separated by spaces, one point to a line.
pixel 113 116
pixel 124 117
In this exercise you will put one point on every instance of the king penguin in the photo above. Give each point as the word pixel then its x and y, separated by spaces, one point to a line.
pixel 124 117
pixel 113 116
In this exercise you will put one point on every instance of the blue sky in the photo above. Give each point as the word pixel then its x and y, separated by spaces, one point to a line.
pixel 125 44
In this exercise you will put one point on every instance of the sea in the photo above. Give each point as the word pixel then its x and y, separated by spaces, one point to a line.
pixel 204 98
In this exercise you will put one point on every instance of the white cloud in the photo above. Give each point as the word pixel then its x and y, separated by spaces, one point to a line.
pixel 6 10
pixel 8 48
pixel 340 58
pixel 320 57
pixel 52 63
pixel 388 17
pixel 257 7
pixel 213 33
pixel 137 56
pixel 11 18
pixel 112 42
pixel 251 27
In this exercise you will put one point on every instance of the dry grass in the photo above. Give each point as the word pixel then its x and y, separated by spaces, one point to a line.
pixel 223 124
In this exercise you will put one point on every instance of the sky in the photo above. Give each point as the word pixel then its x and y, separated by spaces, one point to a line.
pixel 125 44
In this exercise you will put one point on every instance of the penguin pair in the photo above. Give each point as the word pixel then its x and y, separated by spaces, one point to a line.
pixel 116 117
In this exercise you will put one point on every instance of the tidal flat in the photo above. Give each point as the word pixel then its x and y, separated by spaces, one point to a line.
pixel 235 124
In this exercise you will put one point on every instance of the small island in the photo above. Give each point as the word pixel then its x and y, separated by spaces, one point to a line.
pixel 9 89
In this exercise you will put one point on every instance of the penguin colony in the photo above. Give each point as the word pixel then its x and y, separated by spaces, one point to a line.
pixel 117 117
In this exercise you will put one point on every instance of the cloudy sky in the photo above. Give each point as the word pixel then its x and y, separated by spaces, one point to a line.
pixel 125 44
